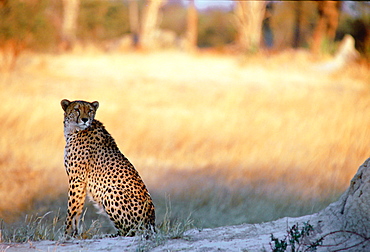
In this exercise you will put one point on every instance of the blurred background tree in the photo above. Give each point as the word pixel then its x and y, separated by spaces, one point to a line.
pixel 24 24
pixel 326 27
pixel 149 23
pixel 134 22
pixel 244 25
pixel 99 21
pixel 192 27
pixel 216 28
pixel 69 23
pixel 355 20
pixel 249 18
pixel 292 23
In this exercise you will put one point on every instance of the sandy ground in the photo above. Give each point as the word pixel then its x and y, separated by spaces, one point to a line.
pixel 247 237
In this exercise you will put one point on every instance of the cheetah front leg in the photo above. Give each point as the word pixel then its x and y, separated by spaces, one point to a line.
pixel 76 200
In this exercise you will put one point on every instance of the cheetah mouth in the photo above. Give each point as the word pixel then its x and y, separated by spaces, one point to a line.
pixel 83 125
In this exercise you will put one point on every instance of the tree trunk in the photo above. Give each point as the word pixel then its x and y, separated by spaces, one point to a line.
pixel 69 25
pixel 192 28
pixel 249 17
pixel 134 21
pixel 149 24
pixel 327 24
pixel 297 24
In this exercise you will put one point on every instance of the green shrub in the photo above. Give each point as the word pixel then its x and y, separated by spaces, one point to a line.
pixel 296 240
pixel 27 22
pixel 102 20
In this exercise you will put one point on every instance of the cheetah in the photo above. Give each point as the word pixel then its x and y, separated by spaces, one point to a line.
pixel 96 168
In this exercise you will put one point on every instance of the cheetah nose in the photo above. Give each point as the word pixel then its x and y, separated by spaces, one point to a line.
pixel 84 120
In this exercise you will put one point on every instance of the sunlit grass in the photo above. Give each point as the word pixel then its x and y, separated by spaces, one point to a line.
pixel 227 142
pixel 49 226
pixel 32 228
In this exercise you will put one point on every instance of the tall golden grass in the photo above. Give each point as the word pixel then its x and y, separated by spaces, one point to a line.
pixel 274 125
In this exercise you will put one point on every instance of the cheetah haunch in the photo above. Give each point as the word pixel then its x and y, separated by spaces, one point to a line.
pixel 96 167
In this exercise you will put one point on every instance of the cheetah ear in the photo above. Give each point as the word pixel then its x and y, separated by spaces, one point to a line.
pixel 95 105
pixel 65 103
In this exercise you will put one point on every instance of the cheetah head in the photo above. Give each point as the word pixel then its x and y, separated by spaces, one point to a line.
pixel 78 115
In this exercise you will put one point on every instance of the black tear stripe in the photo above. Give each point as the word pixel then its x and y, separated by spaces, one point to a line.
pixel 78 117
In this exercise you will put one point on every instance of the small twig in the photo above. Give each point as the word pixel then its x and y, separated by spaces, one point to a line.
pixel 365 239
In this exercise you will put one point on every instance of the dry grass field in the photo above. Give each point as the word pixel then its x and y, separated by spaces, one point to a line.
pixel 226 139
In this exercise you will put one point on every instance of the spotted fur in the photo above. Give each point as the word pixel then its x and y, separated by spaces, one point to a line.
pixel 96 167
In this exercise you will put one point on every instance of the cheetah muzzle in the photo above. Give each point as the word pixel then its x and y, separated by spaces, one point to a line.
pixel 96 167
